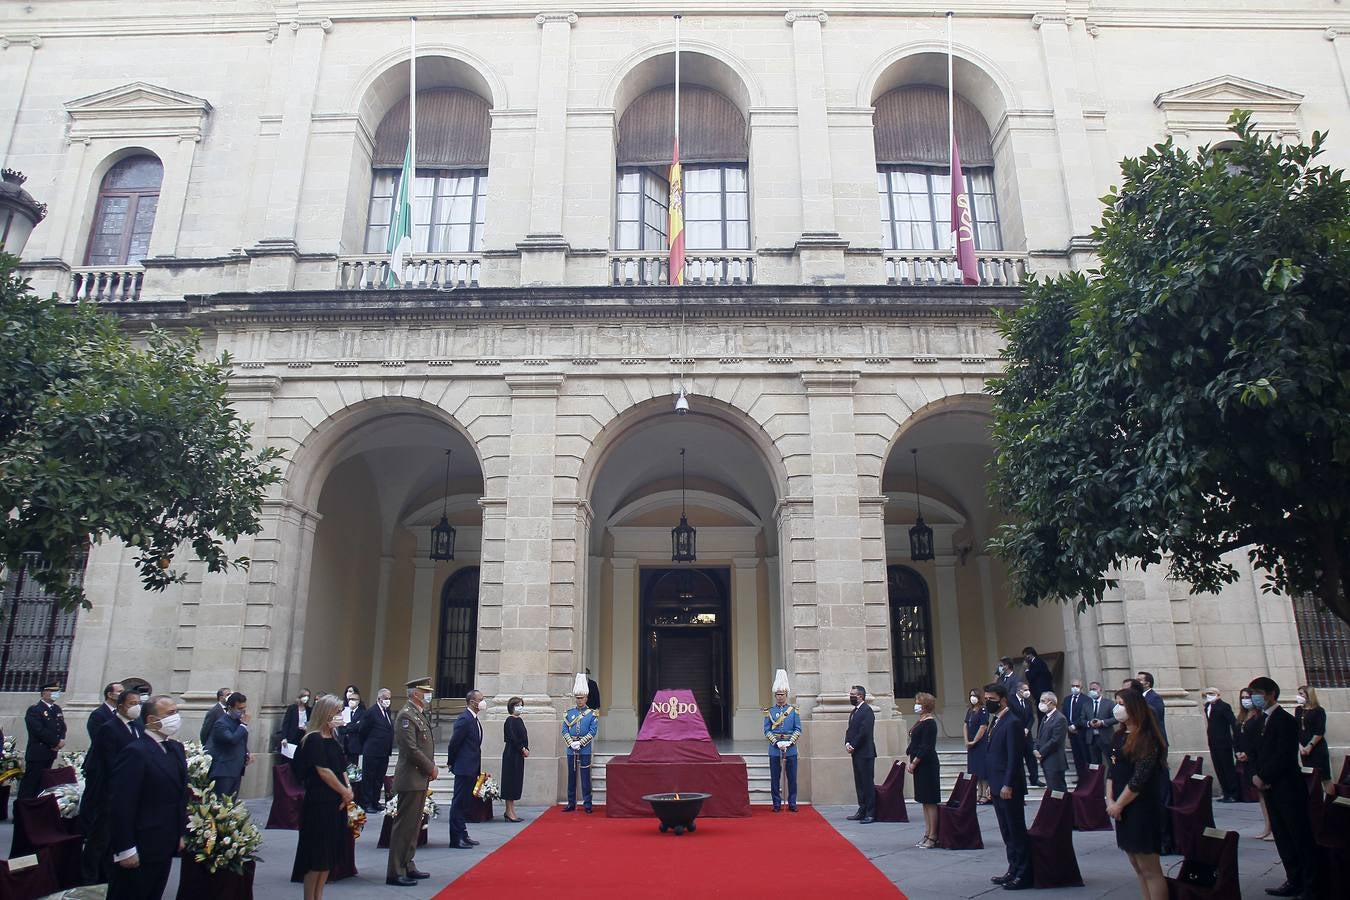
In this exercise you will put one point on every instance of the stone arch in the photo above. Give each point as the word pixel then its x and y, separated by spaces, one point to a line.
pixel 84 213
pixel 975 76
pixel 701 63
pixel 965 402
pixel 385 81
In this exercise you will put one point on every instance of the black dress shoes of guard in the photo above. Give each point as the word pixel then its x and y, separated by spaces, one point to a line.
pixel 400 881
pixel 587 810
pixel 866 820
pixel 792 809
pixel 1002 879
pixel 1017 884
pixel 414 873
pixel 571 807
pixel 471 842
pixel 1284 890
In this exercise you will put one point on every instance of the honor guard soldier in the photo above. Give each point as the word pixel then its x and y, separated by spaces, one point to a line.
pixel 782 729
pixel 412 776
pixel 46 735
pixel 579 727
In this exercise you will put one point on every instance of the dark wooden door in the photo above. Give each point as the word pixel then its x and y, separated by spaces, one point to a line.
pixel 686 637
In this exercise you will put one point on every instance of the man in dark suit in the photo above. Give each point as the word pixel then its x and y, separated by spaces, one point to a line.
pixel 858 741
pixel 1020 705
pixel 46 735
pixel 377 743
pixel 1037 674
pixel 149 806
pixel 1003 764
pixel 1074 707
pixel 228 746
pixel 1154 701
pixel 1101 723
pixel 124 728
pixel 1221 732
pixel 465 759
pixel 1279 775
pixel 214 713
pixel 105 711
pixel 593 693
pixel 1050 743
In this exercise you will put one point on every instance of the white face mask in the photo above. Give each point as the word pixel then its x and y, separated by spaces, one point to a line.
pixel 1246 702
pixel 1094 694
pixel 427 697
pixel 305 700
pixel 974 699
pixel 134 711
pixel 482 704
pixel 918 709
pixel 1300 700
pixel 353 703
pixel 1210 698
pixel 1119 712
pixel 385 702
pixel 336 721
pixel 1075 690
pixel 169 725
pixel 56 695
pixel 1044 708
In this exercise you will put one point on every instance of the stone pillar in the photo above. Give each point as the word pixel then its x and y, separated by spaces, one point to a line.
pixel 275 255
pixel 63 233
pixel 543 252
pixel 594 583
pixel 950 687
pixel 1342 51
pixel 748 721
pixel 16 61
pixel 621 718
pixel 568 600
pixel 423 612
pixel 1075 156
pixel 381 612
pixel 778 657
pixel 820 250
pixel 173 196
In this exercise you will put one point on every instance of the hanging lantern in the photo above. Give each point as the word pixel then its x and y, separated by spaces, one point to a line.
pixel 443 534
pixel 683 535
pixel 920 536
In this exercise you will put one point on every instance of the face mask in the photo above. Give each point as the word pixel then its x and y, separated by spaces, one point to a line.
pixel 1259 701
pixel 336 721
pixel 1246 702
pixel 482 704
pixel 918 710
pixel 1025 695
pixel 1210 698
pixel 236 714
pixel 427 697
pixel 1094 694
pixel 1075 690
pixel 305 700
pixel 991 707
pixel 385 702
pixel 853 700
pixel 353 703
pixel 1300 700
pixel 1044 708
pixel 168 726
pixel 1119 713
pixel 134 711
pixel 520 710
pixel 999 670
pixel 56 695
pixel 974 700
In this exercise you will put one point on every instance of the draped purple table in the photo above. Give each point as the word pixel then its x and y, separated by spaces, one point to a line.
pixel 958 826
pixel 1192 811
pixel 287 798
pixel 38 826
pixel 196 883
pixel 1210 870
pixel 30 883
pixel 1053 861
pixel 890 805
pixel 4 801
pixel 52 777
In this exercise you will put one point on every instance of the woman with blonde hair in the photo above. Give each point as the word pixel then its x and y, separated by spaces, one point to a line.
pixel 322 767
pixel 1312 733
pixel 923 766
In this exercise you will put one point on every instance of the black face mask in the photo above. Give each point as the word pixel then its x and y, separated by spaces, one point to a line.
pixel 991 707
pixel 852 699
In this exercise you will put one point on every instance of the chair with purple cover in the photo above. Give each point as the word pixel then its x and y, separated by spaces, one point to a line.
pixel 958 825
pixel 1053 860
pixel 1192 811
pixel 287 798
pixel 4 802
pixel 1089 801
pixel 479 810
pixel 1210 870
pixel 38 826
pixel 1316 807
pixel 1247 791
pixel 30 882
pixel 1333 834
pixel 1345 771
pixel 52 777
pixel 1190 765
pixel 890 805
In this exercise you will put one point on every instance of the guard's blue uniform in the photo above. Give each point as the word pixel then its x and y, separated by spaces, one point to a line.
pixel 579 725
pixel 782 723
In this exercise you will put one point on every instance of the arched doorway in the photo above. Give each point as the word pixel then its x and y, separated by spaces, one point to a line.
pixel 456 660
pixel 911 632
pixel 686 632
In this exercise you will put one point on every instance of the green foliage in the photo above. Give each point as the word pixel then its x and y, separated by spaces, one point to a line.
pixel 102 438
pixel 1193 396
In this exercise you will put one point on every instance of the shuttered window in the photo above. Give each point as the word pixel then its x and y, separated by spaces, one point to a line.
pixel 36 635
pixel 911 632
pixel 459 634
pixel 1325 641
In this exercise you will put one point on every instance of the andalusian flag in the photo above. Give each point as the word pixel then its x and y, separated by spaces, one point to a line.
pixel 676 227
pixel 400 221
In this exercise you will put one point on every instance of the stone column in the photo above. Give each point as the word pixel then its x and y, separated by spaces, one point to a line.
pixel 16 61
pixel 594 568
pixel 568 600
pixel 621 718
pixel 381 612
pixel 173 196
pixel 1342 51
pixel 951 690
pixel 1075 156
pixel 778 656
pixel 543 252
pixel 820 250
pixel 62 236
pixel 423 612
pixel 749 673
pixel 275 255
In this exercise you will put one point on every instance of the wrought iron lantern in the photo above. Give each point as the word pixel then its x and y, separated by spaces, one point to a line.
pixel 443 535
pixel 920 536
pixel 683 535
pixel 19 213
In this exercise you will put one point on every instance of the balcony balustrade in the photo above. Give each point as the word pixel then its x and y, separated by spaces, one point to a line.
pixel 102 284
pixel 925 267
pixel 367 273
pixel 628 268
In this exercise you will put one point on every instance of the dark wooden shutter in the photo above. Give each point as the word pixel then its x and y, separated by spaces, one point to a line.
pixel 712 129
pixel 910 129
pixel 453 128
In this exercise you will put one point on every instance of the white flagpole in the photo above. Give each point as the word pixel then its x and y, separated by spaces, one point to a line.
pixel 412 126
pixel 951 107
pixel 677 80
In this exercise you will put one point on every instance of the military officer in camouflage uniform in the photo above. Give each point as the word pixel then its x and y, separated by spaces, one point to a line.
pixel 782 729
pixel 413 774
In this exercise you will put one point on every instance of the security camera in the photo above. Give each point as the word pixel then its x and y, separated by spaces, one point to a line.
pixel 681 404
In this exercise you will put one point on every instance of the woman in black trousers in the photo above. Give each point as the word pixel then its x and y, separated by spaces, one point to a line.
pixel 516 749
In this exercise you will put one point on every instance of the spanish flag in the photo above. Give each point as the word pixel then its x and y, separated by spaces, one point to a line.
pixel 676 227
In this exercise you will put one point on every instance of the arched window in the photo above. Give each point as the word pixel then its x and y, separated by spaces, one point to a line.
pixel 715 155
pixel 911 631
pixel 36 633
pixel 459 634
pixel 125 214
pixel 450 205
pixel 909 128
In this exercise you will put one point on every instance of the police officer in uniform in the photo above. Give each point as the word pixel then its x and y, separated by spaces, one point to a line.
pixel 579 727
pixel 782 729
pixel 46 735
pixel 413 773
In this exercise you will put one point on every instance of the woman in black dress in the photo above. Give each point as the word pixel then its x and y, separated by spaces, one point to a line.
pixel 322 767
pixel 1250 725
pixel 1312 734
pixel 516 749
pixel 1138 755
pixel 977 726
pixel 923 766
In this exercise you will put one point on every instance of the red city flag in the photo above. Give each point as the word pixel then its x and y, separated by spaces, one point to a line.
pixel 963 228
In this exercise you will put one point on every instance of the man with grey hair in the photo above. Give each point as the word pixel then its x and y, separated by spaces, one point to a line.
pixel 148 807
pixel 413 774
pixel 1050 742
pixel 376 733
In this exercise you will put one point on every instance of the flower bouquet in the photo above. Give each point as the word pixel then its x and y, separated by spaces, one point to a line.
pixel 11 761
pixel 67 798
pixel 429 809
pixel 486 789
pixel 356 819
pixel 74 759
pixel 353 773
pixel 220 834
pixel 199 769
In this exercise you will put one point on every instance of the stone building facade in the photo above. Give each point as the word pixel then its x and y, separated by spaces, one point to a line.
pixel 226 166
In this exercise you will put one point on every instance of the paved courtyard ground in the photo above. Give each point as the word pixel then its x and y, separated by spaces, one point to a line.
pixel 920 874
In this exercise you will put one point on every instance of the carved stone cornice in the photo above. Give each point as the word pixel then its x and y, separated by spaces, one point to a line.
pixel 570 18
pixel 1051 19
pixel 794 15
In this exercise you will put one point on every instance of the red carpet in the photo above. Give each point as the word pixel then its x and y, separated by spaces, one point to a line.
pixel 766 855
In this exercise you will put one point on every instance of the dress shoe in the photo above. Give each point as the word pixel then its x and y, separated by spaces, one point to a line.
pixel 414 873
pixel 1284 890
pixel 866 820
pixel 587 810
pixel 792 809
pixel 470 841
pixel 400 881
pixel 1002 879
pixel 1017 884
pixel 511 820
pixel 372 810
pixel 456 845
pixel 777 808
pixel 855 817
pixel 571 807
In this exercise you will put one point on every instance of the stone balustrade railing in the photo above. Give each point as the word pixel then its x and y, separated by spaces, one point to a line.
pixel 628 268
pixel 102 284
pixel 371 272
pixel 921 267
